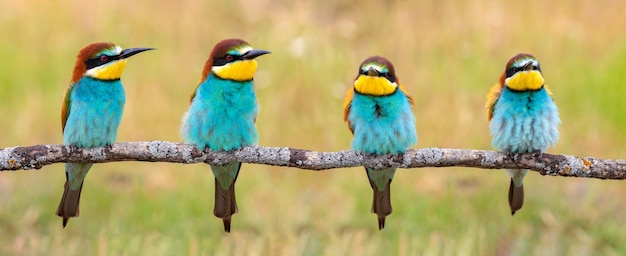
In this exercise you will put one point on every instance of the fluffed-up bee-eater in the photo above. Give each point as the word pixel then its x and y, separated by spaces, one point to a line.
pixel 378 112
pixel 222 115
pixel 91 113
pixel 523 117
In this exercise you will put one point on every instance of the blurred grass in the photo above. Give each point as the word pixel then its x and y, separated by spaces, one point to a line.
pixel 447 54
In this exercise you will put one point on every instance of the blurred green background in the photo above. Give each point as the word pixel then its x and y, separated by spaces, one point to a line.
pixel 447 54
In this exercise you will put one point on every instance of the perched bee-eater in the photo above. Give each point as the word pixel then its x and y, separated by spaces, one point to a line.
pixel 378 112
pixel 91 113
pixel 222 115
pixel 523 117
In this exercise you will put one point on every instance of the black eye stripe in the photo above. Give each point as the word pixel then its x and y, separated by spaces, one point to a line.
pixel 513 70
pixel 385 75
pixel 221 61
pixel 98 61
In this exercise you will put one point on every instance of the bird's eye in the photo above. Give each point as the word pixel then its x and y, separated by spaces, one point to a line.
pixel 104 58
pixel 229 57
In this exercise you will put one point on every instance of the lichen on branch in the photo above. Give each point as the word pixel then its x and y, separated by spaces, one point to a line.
pixel 38 156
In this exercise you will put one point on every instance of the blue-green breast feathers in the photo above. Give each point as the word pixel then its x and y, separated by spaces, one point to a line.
pixel 94 112
pixel 382 124
pixel 222 115
pixel 524 121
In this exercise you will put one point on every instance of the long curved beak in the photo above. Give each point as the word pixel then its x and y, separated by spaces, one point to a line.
pixel 253 54
pixel 132 51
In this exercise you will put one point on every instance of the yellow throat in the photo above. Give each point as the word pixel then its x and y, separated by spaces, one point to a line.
pixel 110 71
pixel 374 85
pixel 530 80
pixel 238 71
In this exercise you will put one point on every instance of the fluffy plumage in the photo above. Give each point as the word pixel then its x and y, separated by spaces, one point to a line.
pixel 523 117
pixel 91 112
pixel 378 112
pixel 222 115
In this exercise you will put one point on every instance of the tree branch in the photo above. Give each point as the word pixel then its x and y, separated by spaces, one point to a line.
pixel 35 157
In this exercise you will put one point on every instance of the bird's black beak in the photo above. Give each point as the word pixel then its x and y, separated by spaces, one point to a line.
pixel 253 54
pixel 372 72
pixel 528 66
pixel 132 51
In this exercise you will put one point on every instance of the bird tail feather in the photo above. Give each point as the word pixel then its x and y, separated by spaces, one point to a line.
pixel 381 202
pixel 516 197
pixel 225 203
pixel 69 205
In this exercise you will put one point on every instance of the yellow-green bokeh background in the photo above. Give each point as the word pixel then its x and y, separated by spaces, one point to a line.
pixel 446 53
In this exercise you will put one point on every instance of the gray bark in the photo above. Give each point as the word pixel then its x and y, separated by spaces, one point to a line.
pixel 35 157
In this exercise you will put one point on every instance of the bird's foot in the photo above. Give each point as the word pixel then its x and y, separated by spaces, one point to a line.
pixel 510 154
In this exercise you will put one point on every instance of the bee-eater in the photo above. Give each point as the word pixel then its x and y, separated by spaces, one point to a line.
pixel 523 117
pixel 222 115
pixel 91 112
pixel 378 112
